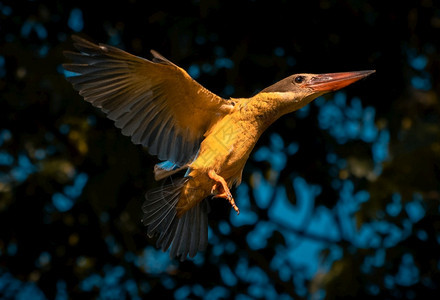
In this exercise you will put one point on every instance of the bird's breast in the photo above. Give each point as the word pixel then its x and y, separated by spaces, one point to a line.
pixel 227 146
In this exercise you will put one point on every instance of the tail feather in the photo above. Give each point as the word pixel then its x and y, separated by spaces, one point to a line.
pixel 160 209
pixel 186 234
pixel 194 243
pixel 180 241
pixel 204 226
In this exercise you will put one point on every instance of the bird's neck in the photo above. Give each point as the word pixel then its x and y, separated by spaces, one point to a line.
pixel 266 108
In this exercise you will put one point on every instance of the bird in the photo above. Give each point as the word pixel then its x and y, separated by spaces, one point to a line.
pixel 194 132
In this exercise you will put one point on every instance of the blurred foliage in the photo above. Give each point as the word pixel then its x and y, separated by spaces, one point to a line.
pixel 339 200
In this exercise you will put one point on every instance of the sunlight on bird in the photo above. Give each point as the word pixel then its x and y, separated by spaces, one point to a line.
pixel 191 129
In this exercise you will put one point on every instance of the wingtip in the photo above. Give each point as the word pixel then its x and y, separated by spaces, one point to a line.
pixel 84 44
pixel 80 40
pixel 75 37
pixel 159 58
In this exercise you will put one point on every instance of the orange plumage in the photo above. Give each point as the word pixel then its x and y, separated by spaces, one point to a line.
pixel 161 107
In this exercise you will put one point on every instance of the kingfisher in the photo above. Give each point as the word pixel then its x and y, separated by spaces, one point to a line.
pixel 192 130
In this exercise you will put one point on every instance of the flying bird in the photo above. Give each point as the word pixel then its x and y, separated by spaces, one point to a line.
pixel 189 128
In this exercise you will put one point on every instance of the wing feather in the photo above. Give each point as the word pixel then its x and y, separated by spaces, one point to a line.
pixel 155 102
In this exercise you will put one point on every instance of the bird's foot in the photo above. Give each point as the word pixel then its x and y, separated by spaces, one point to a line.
pixel 229 197
pixel 222 187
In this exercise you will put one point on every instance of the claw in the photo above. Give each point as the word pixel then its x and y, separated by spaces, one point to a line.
pixel 214 188
pixel 228 197
pixel 223 188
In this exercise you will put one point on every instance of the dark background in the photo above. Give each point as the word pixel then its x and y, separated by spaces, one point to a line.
pixel 339 200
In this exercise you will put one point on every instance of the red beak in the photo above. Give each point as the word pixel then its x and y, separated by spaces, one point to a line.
pixel 334 81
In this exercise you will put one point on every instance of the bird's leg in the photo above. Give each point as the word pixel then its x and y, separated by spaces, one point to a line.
pixel 222 187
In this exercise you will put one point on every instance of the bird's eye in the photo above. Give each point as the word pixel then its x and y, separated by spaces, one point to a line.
pixel 299 79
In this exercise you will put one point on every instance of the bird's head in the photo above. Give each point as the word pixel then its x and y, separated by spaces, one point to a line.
pixel 296 91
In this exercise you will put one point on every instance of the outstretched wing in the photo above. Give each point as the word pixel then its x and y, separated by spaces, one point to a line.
pixel 155 102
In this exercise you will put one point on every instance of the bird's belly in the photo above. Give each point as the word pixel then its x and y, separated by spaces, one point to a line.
pixel 226 148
